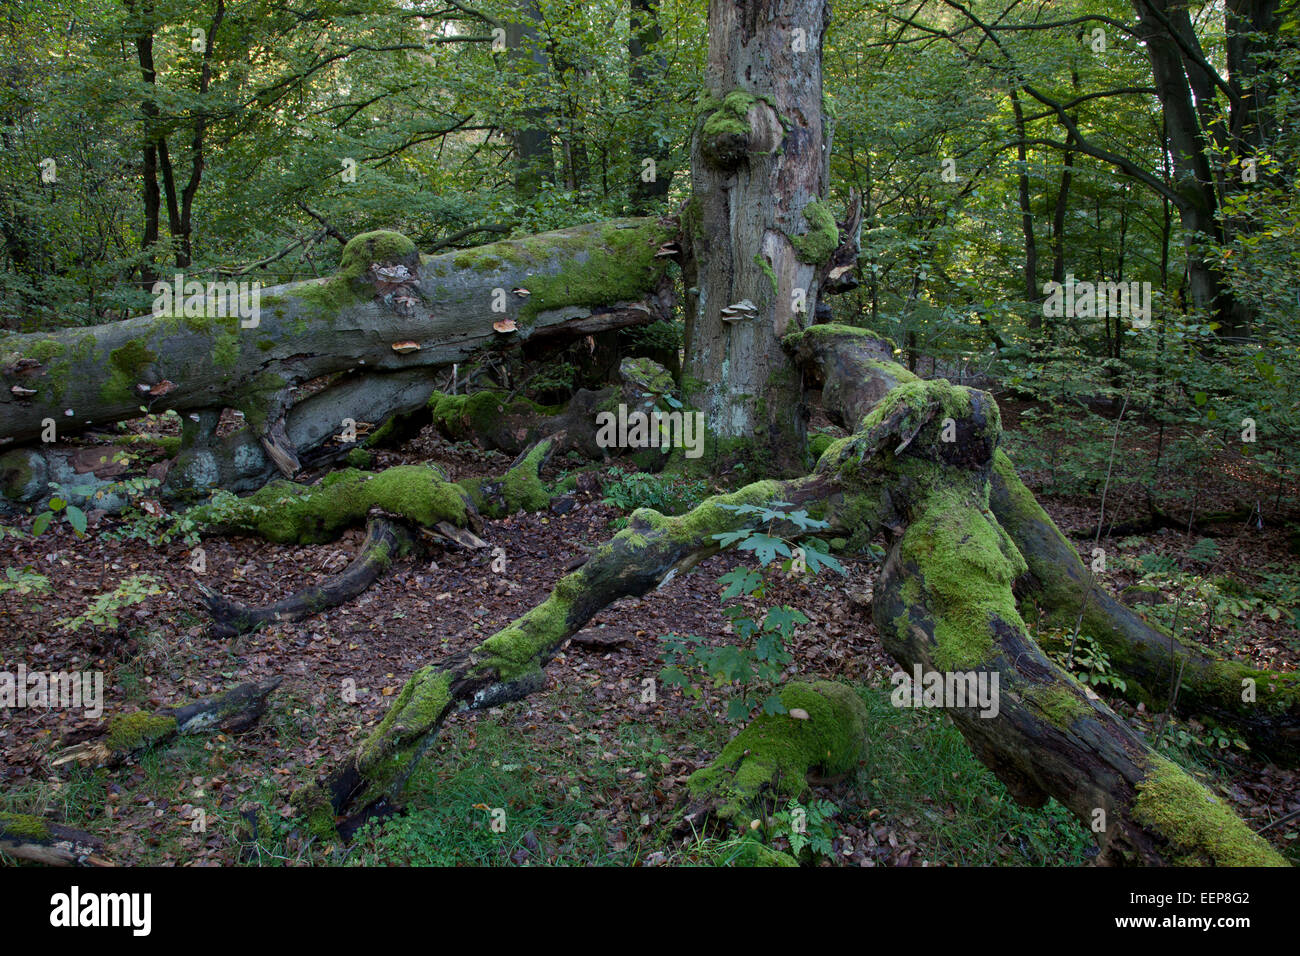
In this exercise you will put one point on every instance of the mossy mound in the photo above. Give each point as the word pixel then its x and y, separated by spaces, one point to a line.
pixel 772 756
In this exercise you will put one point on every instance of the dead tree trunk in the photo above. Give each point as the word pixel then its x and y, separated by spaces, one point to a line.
pixel 373 332
pixel 756 229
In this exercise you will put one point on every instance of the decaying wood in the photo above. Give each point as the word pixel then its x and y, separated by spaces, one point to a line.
pixel 945 602
pixel 27 837
pixel 385 540
pixel 341 330
pixel 129 735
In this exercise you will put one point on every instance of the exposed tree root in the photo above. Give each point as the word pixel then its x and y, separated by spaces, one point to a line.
pixel 855 372
pixel 1264 706
pixel 507 666
pixel 385 541
pixel 129 735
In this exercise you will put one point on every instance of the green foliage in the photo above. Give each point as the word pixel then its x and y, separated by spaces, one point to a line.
pixel 754 666
pixel 24 583
pixel 664 493
pixel 104 608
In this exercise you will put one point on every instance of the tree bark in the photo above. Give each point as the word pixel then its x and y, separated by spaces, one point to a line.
pixel 757 231
pixel 375 328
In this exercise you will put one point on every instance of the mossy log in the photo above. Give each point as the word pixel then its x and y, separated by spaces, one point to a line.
pixel 385 541
pixel 129 735
pixel 1263 706
pixel 27 837
pixel 918 467
pixel 376 328
pixel 419 495
pixel 855 371
pixel 824 729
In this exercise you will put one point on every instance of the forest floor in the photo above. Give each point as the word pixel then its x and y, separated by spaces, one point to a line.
pixel 586 771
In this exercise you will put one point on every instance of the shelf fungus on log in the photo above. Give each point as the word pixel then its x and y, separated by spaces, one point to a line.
pixel 335 332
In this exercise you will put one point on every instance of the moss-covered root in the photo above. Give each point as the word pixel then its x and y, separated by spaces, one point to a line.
pixel 1264 706
pixel 312 514
pixel 129 735
pixel 385 541
pixel 824 729
pixel 508 665
pixel 944 603
pixel 27 837
pixel 521 487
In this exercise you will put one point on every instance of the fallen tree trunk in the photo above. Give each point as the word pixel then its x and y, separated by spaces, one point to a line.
pixel 378 326
pixel 129 735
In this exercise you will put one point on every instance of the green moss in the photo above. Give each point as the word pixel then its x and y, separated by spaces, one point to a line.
pixel 769 272
pixel 225 349
pixel 709 517
pixel 1196 822
pixel 45 349
pixel 360 458
pixel 731 118
pixel 818 444
pixel 421 704
pixel 755 854
pixel 24 826
pixel 822 237
pixel 614 262
pixel 287 512
pixel 516 651
pixel 126 365
pixel 523 485
pixel 1060 706
pixel 776 751
pixel 381 246
pixel 966 565
pixel 128 733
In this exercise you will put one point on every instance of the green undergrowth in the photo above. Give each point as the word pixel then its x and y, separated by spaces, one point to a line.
pixel 919 768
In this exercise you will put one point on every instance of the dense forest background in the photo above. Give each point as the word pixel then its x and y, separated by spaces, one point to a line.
pixel 253 139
